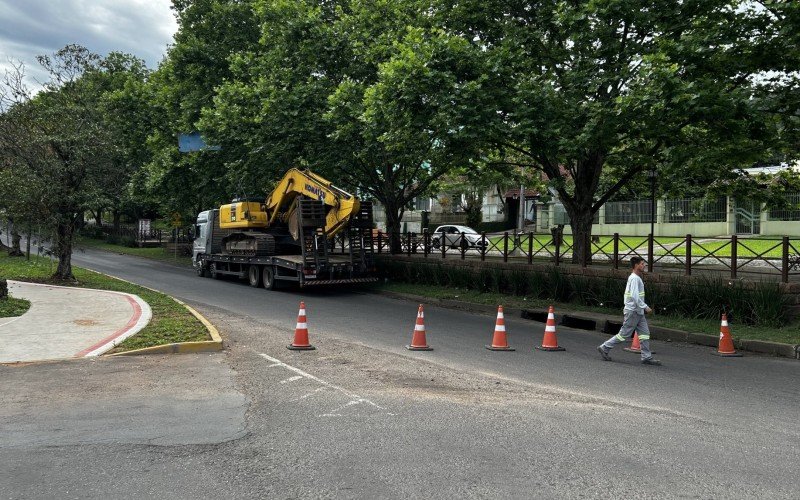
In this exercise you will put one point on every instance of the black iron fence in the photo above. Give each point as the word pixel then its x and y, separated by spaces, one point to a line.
pixel 736 257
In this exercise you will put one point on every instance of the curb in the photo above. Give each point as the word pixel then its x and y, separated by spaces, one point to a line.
pixel 605 324
pixel 213 345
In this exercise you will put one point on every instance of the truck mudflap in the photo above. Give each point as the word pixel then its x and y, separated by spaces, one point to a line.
pixel 313 282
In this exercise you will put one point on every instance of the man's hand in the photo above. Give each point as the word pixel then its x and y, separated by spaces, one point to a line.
pixel 647 310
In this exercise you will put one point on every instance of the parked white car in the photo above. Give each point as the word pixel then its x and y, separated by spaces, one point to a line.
pixel 457 237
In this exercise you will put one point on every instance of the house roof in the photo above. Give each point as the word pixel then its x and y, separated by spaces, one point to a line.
pixel 772 169
pixel 514 193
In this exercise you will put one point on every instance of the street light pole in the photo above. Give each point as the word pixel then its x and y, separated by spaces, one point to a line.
pixel 521 221
pixel 652 201
pixel 651 239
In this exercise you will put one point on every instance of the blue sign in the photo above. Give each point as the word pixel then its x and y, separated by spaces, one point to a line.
pixel 188 143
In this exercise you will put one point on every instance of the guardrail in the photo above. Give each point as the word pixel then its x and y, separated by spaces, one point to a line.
pixel 734 256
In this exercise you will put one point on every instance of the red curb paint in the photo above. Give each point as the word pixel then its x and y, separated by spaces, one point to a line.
pixel 137 313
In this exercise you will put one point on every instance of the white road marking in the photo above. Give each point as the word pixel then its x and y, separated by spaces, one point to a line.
pixel 291 379
pixel 304 396
pixel 354 398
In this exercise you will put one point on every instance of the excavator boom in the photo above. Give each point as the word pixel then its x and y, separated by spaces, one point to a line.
pixel 281 204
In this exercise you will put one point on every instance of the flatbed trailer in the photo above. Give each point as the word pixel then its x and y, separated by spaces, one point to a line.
pixel 268 271
pixel 316 265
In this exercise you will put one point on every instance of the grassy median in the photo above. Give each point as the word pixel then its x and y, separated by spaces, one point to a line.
pixel 789 334
pixel 171 321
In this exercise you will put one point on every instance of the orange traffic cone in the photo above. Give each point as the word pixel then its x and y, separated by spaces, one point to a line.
pixel 418 342
pixel 726 341
pixel 550 342
pixel 635 345
pixel 301 332
pixel 499 341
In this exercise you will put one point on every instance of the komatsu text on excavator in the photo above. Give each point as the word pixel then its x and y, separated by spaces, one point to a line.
pixel 289 237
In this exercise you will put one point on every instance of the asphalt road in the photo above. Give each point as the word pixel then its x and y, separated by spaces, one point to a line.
pixel 362 417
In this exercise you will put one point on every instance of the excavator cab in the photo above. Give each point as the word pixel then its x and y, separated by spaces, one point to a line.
pixel 246 214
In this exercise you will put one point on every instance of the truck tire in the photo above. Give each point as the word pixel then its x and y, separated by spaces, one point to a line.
pixel 212 271
pixel 268 278
pixel 254 276
pixel 201 268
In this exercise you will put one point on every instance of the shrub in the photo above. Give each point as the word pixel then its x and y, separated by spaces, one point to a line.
pixel 703 297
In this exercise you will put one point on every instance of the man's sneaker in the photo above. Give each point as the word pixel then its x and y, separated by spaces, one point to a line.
pixel 603 353
pixel 651 361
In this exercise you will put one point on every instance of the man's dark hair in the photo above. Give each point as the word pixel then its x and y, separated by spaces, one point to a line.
pixel 635 261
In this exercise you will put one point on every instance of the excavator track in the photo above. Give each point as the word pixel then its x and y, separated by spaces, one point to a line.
pixel 249 244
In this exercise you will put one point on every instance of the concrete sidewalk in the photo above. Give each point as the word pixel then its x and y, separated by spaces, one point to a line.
pixel 66 322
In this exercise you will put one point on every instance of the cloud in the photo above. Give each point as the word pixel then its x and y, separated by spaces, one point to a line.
pixel 29 28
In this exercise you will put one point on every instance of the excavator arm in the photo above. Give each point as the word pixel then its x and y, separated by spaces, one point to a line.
pixel 281 206
pixel 282 203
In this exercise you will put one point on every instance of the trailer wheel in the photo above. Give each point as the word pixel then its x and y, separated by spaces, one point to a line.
pixel 254 276
pixel 212 271
pixel 268 278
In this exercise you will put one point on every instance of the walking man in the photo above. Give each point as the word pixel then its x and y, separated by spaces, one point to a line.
pixel 634 320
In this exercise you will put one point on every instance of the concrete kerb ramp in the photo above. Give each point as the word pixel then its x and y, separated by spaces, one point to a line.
pixel 69 322
pixel 215 344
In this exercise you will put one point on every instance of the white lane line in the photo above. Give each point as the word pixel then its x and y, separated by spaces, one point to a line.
pixel 304 396
pixel 354 398
pixel 291 379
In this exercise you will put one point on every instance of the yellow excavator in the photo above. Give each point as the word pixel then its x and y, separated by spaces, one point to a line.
pixel 289 236
pixel 263 226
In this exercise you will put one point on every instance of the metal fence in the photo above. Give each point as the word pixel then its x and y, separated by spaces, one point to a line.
pixel 629 212
pixel 560 216
pixel 777 258
pixel 696 210
pixel 787 214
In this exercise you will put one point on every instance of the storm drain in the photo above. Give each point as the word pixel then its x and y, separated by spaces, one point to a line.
pixel 612 327
pixel 576 322
pixel 540 316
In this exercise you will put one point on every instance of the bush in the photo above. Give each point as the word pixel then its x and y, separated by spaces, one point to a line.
pixel 762 304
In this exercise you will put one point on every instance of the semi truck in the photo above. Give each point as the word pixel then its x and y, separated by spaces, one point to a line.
pixel 290 238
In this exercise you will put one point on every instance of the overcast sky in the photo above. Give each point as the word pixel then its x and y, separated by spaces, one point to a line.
pixel 29 28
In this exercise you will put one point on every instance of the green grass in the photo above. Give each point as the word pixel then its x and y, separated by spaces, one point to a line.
pixel 789 334
pixel 154 253
pixel 10 307
pixel 171 321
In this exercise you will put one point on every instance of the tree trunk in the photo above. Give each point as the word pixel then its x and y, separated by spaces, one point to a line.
pixel 117 217
pixel 393 217
pixel 63 248
pixel 581 224
pixel 28 243
pixel 16 250
pixel 98 217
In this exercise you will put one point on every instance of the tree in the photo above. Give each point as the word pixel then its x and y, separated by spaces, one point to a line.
pixel 346 89
pixel 58 144
pixel 210 34
pixel 624 87
pixel 127 117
